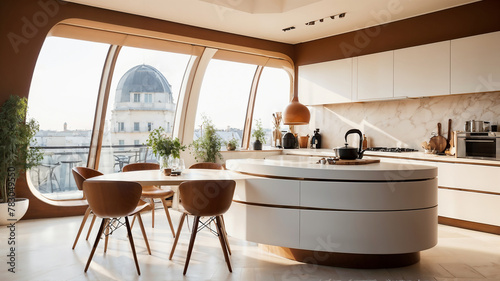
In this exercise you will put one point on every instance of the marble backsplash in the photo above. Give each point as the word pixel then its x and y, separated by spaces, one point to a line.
pixel 402 123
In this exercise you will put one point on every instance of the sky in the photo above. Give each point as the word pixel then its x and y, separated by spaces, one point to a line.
pixel 67 75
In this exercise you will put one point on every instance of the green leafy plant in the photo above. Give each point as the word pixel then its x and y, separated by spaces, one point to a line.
pixel 258 133
pixel 16 135
pixel 207 147
pixel 232 144
pixel 163 145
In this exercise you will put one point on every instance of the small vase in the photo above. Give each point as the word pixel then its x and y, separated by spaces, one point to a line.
pixel 165 165
pixel 257 145
pixel 230 147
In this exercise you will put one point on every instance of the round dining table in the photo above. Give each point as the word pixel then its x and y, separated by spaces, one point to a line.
pixel 156 177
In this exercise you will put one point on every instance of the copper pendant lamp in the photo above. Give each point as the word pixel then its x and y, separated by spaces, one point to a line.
pixel 296 113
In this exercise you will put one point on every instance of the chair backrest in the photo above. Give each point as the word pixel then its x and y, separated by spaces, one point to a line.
pixel 112 199
pixel 141 166
pixel 207 165
pixel 82 173
pixel 207 197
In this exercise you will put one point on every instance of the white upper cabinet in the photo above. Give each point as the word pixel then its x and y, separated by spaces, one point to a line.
pixel 375 76
pixel 475 64
pixel 422 70
pixel 326 82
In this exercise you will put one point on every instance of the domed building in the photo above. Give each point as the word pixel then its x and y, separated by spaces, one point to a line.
pixel 143 102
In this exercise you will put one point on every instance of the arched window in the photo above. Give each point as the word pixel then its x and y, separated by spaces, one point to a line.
pixel 62 99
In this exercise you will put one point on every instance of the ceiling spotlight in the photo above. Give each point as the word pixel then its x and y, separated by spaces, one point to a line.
pixel 342 15
pixel 311 23
pixel 332 17
pixel 321 20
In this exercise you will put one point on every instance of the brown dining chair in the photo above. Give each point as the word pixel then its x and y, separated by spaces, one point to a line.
pixel 112 200
pixel 212 166
pixel 152 192
pixel 207 165
pixel 205 198
pixel 81 174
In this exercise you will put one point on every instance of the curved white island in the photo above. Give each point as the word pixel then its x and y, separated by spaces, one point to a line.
pixel 364 216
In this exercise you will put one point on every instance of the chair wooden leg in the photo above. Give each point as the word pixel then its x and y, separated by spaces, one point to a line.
pixel 91 225
pixel 132 224
pixel 179 228
pixel 191 243
pixel 223 242
pixel 106 236
pixel 131 240
pixel 99 234
pixel 224 232
pixel 168 216
pixel 87 212
pixel 139 219
pixel 152 212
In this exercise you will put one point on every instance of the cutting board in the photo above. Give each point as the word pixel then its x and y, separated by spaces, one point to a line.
pixel 357 162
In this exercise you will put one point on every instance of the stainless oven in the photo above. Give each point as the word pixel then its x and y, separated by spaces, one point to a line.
pixel 479 145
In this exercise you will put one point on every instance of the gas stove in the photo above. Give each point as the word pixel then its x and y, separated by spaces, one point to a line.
pixel 391 149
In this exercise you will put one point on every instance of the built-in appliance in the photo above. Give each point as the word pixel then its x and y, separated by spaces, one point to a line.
pixel 478 145
pixel 391 149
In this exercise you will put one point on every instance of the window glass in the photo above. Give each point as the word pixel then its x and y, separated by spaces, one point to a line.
pixel 273 95
pixel 144 90
pixel 62 98
pixel 224 97
pixel 137 97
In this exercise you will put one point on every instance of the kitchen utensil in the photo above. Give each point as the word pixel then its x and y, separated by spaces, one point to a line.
pixel 475 126
pixel 448 137
pixel 438 143
pixel 289 140
pixel 356 161
pixel 351 153
pixel 424 145
pixel 303 141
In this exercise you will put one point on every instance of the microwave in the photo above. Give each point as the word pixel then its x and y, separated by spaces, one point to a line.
pixel 478 145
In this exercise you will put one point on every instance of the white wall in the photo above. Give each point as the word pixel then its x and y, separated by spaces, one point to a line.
pixel 405 123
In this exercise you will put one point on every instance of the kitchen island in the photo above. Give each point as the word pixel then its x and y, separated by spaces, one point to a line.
pixel 361 216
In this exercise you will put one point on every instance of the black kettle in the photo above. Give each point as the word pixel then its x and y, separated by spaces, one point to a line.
pixel 351 153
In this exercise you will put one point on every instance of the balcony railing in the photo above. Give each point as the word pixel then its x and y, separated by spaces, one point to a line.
pixel 53 178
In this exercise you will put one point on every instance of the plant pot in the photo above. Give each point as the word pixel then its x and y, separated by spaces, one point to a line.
pixel 230 147
pixel 18 210
pixel 257 145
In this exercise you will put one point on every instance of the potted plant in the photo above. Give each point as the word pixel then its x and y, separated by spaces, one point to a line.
pixel 16 156
pixel 232 144
pixel 259 134
pixel 164 147
pixel 207 147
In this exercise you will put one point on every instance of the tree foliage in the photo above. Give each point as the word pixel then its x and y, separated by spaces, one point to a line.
pixel 163 145
pixel 207 147
pixel 16 136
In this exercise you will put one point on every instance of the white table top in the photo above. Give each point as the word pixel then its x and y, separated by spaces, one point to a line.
pixel 306 168
pixel 155 177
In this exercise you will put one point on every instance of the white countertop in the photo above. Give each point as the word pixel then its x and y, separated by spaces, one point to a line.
pixel 325 152
pixel 291 166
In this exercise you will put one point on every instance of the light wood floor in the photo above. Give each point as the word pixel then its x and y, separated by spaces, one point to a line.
pixel 43 252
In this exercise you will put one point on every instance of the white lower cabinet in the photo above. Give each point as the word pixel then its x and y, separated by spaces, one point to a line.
pixel 466 191
pixel 368 232
pixel 265 225
pixel 469 206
